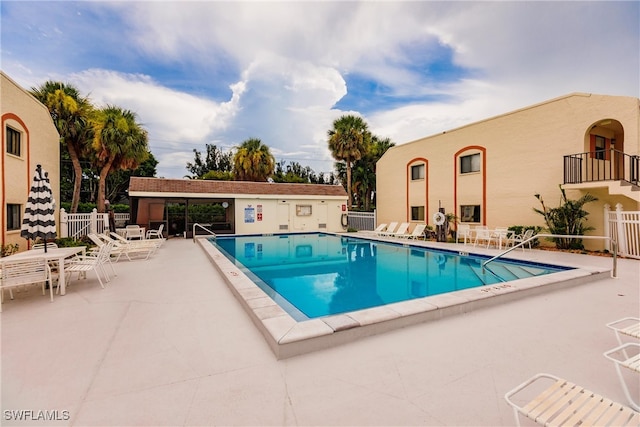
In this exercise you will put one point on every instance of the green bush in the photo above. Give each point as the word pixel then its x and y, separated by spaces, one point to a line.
pixel 69 242
pixel 89 207
pixel 9 249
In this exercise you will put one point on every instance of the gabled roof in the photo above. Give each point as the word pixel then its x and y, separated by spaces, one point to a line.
pixel 162 187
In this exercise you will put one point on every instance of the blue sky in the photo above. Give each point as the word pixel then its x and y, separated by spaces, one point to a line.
pixel 213 72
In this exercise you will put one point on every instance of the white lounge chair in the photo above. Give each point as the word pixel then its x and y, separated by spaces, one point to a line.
pixel 380 228
pixel 629 326
pixel 564 403
pixel 418 231
pixel 390 229
pixel 621 358
pixel 401 231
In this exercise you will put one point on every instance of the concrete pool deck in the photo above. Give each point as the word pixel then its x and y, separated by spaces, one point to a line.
pixel 167 343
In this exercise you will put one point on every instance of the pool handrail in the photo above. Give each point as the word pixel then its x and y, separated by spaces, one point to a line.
pixel 614 246
pixel 202 226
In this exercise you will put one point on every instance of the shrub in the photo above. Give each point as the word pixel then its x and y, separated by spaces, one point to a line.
pixel 567 219
pixel 9 249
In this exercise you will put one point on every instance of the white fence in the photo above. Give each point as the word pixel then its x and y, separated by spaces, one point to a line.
pixel 362 220
pixel 79 225
pixel 624 228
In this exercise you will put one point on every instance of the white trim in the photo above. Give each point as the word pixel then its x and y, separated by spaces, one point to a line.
pixel 156 194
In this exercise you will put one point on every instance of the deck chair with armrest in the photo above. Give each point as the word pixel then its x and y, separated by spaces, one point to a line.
pixel 565 404
pixel 156 234
pixel 463 232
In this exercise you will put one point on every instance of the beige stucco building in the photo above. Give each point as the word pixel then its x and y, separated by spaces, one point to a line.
pixel 239 207
pixel 29 138
pixel 488 172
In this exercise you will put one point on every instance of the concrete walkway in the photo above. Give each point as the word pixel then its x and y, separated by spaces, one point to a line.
pixel 166 343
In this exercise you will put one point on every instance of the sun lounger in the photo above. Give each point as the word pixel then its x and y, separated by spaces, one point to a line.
pixel 564 403
pixel 390 229
pixel 380 228
pixel 417 232
pixel 629 326
pixel 401 231
pixel 620 358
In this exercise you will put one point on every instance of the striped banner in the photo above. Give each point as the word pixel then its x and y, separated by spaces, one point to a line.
pixel 39 220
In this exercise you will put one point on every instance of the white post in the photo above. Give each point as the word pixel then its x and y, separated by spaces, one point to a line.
pixel 94 221
pixel 622 237
pixel 607 228
pixel 64 223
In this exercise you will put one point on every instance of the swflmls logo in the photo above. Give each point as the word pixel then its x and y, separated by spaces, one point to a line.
pixel 33 415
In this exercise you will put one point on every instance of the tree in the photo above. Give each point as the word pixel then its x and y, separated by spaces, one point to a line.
pixel 71 116
pixel 216 160
pixel 348 141
pixel 118 180
pixel 120 144
pixel 567 219
pixel 253 161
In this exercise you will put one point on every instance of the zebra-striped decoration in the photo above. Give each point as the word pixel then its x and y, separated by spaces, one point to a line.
pixel 39 220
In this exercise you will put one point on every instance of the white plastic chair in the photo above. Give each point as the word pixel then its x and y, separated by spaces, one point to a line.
pixel 95 263
pixel 390 229
pixel 522 238
pixel 463 232
pixel 24 272
pixel 620 358
pixel 401 231
pixel 134 232
pixel 156 233
pixel 483 235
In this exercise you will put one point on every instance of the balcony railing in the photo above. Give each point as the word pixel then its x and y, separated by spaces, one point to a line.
pixel 601 165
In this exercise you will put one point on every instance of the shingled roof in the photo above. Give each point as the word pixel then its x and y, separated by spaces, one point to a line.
pixel 139 185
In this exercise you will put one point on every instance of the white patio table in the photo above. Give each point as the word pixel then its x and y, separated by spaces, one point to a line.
pixel 52 254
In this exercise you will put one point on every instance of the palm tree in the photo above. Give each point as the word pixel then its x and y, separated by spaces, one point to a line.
pixel 71 116
pixel 120 143
pixel 253 161
pixel 348 142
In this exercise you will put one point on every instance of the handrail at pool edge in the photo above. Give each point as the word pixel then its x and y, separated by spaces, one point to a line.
pixel 205 229
pixel 614 245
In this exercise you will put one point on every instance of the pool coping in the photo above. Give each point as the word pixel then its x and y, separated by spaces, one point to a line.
pixel 287 337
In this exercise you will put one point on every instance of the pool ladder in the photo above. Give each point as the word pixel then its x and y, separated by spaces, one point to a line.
pixel 202 226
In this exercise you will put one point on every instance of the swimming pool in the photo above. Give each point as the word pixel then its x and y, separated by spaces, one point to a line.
pixel 317 274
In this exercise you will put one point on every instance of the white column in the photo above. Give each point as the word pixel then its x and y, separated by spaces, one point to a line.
pixel 94 221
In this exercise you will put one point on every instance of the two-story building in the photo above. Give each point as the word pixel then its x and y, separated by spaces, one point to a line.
pixel 488 172
pixel 29 138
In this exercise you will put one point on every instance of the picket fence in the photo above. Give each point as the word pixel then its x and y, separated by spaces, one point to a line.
pixel 623 227
pixel 78 225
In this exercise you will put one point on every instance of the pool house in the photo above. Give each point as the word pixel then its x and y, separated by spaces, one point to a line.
pixel 236 207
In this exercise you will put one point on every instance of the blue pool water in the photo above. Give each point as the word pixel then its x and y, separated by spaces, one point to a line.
pixel 317 274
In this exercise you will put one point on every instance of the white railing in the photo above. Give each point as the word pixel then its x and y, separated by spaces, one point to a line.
pixel 79 225
pixel 362 220
pixel 624 228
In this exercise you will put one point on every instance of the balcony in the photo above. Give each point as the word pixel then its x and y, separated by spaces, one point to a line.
pixel 618 171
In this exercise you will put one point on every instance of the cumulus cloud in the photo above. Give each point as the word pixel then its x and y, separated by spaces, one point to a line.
pixel 222 72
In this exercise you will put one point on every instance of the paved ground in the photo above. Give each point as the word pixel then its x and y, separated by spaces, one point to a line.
pixel 167 344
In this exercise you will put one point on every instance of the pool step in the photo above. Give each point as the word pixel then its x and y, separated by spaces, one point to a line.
pixel 505 272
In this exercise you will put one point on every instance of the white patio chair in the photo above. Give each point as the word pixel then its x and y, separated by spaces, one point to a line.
pixel 523 238
pixel 463 232
pixel 134 232
pixel 133 247
pixel 629 326
pixel 483 234
pixel 567 404
pixel 401 231
pixel 157 234
pixel 96 263
pixel 380 228
pixel 24 272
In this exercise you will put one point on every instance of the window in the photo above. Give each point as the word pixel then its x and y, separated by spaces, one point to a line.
pixel 417 172
pixel 600 147
pixel 303 210
pixel 417 213
pixel 470 213
pixel 13 141
pixel 470 163
pixel 13 217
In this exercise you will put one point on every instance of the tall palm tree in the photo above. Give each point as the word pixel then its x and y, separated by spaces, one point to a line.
pixel 71 116
pixel 120 143
pixel 348 142
pixel 253 161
